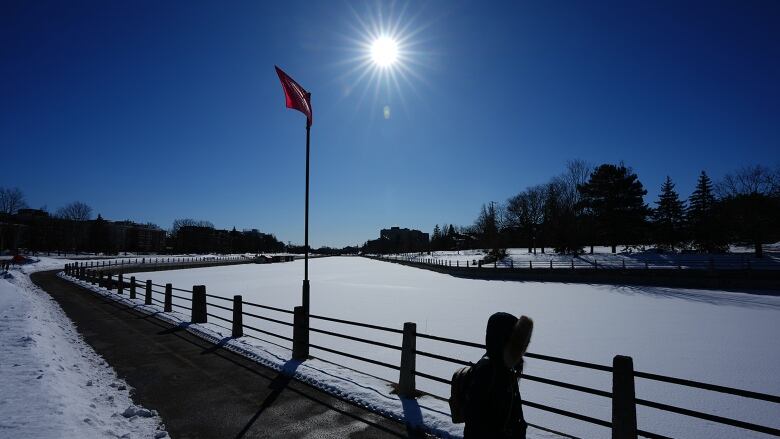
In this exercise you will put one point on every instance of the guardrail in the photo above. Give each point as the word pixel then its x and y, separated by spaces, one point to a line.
pixel 623 423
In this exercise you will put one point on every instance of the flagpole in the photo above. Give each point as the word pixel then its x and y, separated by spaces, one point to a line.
pixel 305 299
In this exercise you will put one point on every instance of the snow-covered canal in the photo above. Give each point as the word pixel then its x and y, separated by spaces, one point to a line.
pixel 712 336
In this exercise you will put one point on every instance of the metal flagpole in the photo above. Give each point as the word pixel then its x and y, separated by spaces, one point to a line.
pixel 306 226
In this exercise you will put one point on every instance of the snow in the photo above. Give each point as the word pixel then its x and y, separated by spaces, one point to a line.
pixel 718 337
pixel 361 389
pixel 53 384
pixel 520 257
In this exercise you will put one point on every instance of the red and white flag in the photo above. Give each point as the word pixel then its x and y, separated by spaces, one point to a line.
pixel 297 98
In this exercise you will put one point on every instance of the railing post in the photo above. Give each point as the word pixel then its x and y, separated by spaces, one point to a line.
pixel 168 305
pixel 120 286
pixel 132 287
pixel 109 281
pixel 406 381
pixel 148 296
pixel 199 304
pixel 300 334
pixel 238 321
pixel 623 398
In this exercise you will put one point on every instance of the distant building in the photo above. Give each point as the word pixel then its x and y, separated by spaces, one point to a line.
pixel 398 240
pixel 37 230
pixel 130 236
pixel 31 214
pixel 195 239
pixel 200 239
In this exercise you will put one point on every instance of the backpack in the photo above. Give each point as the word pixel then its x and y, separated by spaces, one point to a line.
pixel 461 381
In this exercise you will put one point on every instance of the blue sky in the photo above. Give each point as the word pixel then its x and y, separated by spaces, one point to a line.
pixel 152 111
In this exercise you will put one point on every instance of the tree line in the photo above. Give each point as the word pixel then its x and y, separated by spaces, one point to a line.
pixel 605 205
pixel 72 228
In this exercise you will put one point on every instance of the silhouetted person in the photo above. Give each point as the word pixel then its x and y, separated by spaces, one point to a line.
pixel 493 406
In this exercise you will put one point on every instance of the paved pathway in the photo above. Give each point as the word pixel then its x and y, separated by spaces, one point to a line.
pixel 200 390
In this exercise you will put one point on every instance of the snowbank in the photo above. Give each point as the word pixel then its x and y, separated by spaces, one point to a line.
pixel 520 257
pixel 427 413
pixel 52 383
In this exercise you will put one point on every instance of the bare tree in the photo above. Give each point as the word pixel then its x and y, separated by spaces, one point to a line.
pixel 749 180
pixel 11 200
pixel 185 222
pixel 526 212
pixel 75 211
pixel 748 199
pixel 576 174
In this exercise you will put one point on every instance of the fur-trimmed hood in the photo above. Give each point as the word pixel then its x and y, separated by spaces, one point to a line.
pixel 498 332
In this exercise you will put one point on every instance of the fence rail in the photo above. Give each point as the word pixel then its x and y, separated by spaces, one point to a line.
pixel 624 401
pixel 152 263
pixel 730 263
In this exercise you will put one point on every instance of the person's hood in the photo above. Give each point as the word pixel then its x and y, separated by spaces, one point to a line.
pixel 499 330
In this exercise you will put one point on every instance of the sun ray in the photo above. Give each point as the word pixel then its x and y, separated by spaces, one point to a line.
pixel 386 56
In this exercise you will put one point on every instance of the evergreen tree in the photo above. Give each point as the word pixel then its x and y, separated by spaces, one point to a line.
pixel 668 217
pixel 451 232
pixel 613 199
pixel 448 233
pixel 99 241
pixel 436 238
pixel 700 215
pixel 486 227
pixel 701 201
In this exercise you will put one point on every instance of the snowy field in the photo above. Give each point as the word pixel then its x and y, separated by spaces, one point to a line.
pixel 712 336
pixel 52 384
pixel 737 258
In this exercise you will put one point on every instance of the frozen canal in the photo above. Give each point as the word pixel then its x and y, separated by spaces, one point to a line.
pixel 712 336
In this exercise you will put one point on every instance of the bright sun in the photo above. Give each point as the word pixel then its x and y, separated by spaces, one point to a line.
pixel 384 51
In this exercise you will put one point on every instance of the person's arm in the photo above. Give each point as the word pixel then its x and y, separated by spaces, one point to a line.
pixel 520 429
